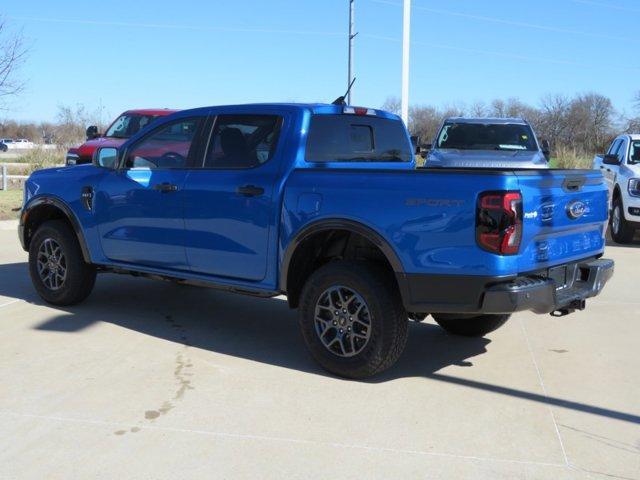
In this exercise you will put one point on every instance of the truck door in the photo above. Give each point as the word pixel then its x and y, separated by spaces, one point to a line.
pixel 610 172
pixel 139 207
pixel 230 199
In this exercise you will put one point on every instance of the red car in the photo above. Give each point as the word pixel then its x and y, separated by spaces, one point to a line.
pixel 123 127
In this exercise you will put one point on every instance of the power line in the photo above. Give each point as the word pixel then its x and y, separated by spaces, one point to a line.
pixel 503 54
pixel 512 22
pixel 173 26
pixel 606 5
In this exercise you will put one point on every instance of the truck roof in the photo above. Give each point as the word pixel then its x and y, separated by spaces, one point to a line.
pixel 487 121
pixel 151 111
pixel 634 136
pixel 314 108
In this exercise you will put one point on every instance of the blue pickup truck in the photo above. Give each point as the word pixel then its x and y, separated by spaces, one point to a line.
pixel 321 203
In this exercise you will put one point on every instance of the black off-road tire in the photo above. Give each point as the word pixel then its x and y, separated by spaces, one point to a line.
pixel 625 232
pixel 469 326
pixel 388 318
pixel 80 276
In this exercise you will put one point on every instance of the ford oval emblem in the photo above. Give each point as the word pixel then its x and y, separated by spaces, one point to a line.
pixel 576 209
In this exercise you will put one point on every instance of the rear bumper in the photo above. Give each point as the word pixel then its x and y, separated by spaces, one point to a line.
pixel 563 289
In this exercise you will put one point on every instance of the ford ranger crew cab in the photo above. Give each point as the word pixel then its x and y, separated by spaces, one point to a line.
pixel 323 204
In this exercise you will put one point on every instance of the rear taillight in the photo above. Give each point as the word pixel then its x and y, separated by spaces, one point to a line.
pixel 499 222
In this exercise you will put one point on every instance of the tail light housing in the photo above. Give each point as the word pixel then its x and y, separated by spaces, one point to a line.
pixel 499 222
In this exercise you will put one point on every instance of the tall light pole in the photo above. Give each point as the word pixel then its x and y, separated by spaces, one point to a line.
pixel 352 35
pixel 406 35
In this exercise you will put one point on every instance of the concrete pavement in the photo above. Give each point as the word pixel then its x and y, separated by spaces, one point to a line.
pixel 151 380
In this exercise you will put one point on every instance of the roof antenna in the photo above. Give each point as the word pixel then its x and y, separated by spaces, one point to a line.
pixel 340 100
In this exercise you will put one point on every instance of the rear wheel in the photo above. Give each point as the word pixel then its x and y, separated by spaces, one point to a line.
pixel 621 230
pixel 352 319
pixel 57 268
pixel 470 326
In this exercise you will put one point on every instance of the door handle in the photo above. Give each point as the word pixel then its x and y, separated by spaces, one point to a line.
pixel 250 190
pixel 165 187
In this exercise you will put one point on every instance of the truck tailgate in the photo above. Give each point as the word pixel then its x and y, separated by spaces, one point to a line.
pixel 565 213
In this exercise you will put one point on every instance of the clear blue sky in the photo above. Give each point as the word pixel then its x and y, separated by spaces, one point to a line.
pixel 145 53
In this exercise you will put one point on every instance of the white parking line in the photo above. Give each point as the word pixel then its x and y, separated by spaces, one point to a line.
pixel 544 391
pixel 299 441
pixel 10 302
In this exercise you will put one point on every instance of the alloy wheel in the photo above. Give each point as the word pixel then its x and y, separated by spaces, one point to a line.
pixel 52 264
pixel 342 321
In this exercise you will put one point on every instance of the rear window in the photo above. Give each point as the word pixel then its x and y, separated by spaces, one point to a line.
pixel 350 138
pixel 477 136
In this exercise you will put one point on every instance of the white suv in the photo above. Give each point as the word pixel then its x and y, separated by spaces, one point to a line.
pixel 621 169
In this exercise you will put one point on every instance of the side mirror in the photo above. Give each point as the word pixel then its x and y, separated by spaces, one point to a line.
pixel 610 159
pixel 106 157
pixel 424 149
pixel 546 149
pixel 92 132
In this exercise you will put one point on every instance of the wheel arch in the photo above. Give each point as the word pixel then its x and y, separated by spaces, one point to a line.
pixel 43 208
pixel 293 274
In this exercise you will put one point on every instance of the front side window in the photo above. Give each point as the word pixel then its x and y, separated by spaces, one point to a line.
pixel 242 141
pixel 622 150
pixel 477 136
pixel 128 124
pixel 351 138
pixel 613 149
pixel 166 147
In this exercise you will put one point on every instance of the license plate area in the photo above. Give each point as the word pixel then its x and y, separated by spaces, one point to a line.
pixel 560 276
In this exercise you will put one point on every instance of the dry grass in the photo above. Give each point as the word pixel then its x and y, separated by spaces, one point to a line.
pixel 38 158
pixel 10 200
pixel 570 158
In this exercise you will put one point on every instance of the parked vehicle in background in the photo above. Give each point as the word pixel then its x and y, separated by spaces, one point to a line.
pixel 321 203
pixel 621 169
pixel 18 144
pixel 22 143
pixel 486 143
pixel 124 127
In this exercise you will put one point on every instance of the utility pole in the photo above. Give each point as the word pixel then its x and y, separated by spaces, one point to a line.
pixel 406 36
pixel 352 35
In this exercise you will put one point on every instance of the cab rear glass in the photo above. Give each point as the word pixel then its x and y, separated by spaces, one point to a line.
pixel 357 138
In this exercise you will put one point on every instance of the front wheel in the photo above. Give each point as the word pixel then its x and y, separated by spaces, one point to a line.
pixel 352 319
pixel 621 230
pixel 58 271
pixel 470 326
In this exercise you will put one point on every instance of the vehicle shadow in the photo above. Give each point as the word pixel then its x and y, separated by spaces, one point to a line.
pixel 634 244
pixel 257 329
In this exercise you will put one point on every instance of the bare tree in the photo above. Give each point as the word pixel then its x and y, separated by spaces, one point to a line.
pixel 392 104
pixel 72 123
pixel 12 55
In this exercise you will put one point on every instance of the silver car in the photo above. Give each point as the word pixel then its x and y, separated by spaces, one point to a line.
pixel 486 143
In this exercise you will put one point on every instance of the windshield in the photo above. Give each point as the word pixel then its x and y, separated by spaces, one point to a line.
pixel 129 124
pixel 476 136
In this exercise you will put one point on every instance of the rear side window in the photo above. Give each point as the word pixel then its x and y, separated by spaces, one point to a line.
pixel 242 141
pixel 351 138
